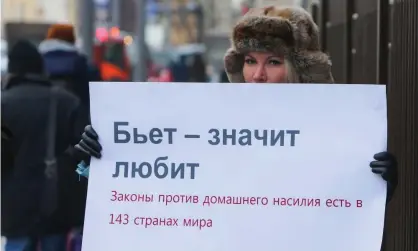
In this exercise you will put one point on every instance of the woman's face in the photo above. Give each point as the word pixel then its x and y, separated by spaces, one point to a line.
pixel 261 67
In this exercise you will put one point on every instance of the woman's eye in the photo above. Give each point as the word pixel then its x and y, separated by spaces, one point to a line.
pixel 275 62
pixel 250 61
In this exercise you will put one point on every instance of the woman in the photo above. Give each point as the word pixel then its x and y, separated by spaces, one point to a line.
pixel 271 45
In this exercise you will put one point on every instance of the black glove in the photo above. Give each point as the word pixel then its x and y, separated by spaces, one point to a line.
pixel 386 165
pixel 89 145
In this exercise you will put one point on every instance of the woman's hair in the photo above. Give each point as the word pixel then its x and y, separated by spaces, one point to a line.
pixel 291 74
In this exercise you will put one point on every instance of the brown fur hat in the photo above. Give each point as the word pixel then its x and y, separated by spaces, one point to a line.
pixel 287 31
pixel 64 32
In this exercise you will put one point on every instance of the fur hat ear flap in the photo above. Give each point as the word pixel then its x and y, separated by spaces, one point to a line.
pixel 234 63
pixel 313 67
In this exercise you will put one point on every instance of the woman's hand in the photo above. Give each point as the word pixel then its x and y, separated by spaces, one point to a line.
pixel 89 144
pixel 386 165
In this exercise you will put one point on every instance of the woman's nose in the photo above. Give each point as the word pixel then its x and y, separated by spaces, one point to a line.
pixel 260 75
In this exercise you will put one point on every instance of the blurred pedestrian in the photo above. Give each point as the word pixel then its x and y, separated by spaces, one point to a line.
pixel 7 157
pixel 45 122
pixel 65 64
pixel 179 69
pixel 198 69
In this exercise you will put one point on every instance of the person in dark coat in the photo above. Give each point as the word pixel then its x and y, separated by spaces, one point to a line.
pixel 25 110
pixel 7 157
pixel 198 70
pixel 65 63
pixel 180 69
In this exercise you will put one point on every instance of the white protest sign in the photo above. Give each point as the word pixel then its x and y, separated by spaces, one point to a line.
pixel 236 167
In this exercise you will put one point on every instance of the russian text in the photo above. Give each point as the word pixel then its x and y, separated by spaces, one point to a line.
pixel 337 203
pixel 132 197
pixel 246 137
pixel 167 199
pixel 152 222
pixel 147 222
pixel 297 202
pixel 159 169
pixel 209 200
pixel 154 136
pixel 200 223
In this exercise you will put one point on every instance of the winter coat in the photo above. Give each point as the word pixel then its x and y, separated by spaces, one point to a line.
pixel 63 61
pixel 25 111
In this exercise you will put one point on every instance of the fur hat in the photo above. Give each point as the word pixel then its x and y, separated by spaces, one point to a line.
pixel 286 31
pixel 64 32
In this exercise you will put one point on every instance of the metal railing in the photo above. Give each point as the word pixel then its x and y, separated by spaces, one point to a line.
pixel 376 42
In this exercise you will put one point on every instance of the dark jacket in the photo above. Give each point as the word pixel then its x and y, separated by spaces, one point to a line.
pixel 63 61
pixel 7 157
pixel 25 111
pixel 224 77
pixel 180 70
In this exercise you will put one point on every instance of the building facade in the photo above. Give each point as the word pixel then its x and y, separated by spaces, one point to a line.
pixel 38 11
